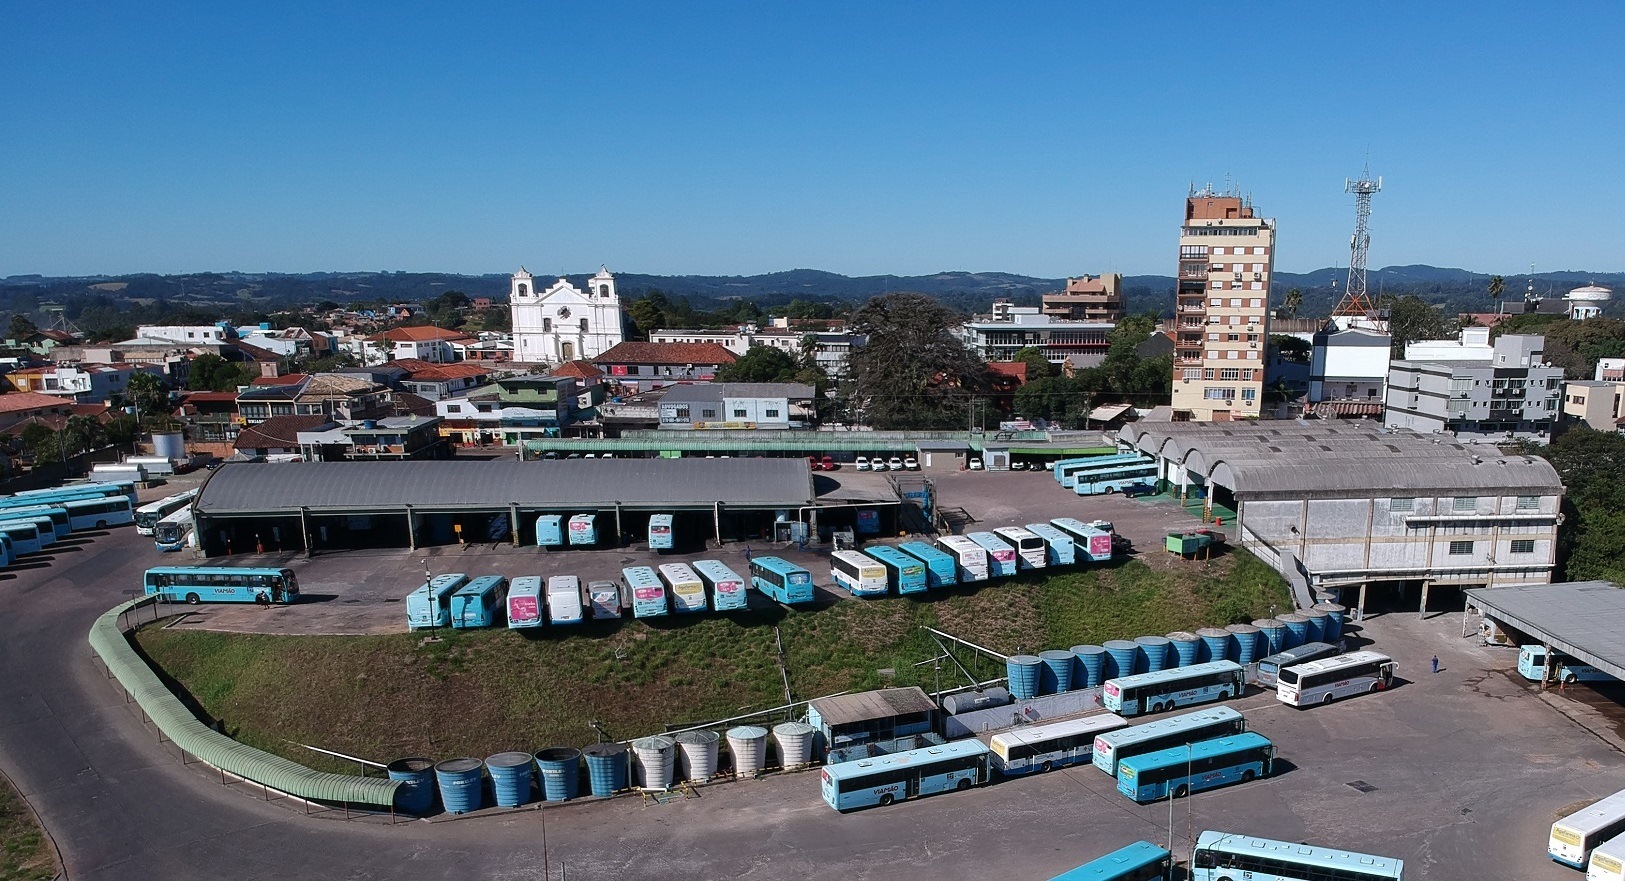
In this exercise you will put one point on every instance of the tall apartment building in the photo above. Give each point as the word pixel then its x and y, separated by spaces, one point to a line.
pixel 1477 389
pixel 1226 259
pixel 1089 298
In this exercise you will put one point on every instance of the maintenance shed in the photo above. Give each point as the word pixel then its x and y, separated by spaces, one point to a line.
pixel 247 507
pixel 1578 618
pixel 871 718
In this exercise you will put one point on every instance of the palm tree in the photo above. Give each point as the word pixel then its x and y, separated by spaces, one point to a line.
pixel 1497 285
pixel 1294 302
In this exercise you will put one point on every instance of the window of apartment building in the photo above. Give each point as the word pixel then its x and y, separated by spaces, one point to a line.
pixel 1252 338
pixel 739 412
pixel 1464 503
pixel 1257 286
pixel 1193 252
pixel 454 408
pixel 1249 394
pixel 1252 355
pixel 1258 250
pixel 1235 320
pixel 1230 374
pixel 1258 267
pixel 1255 303
pixel 1218 394
pixel 1523 546
pixel 1218 250
pixel 708 413
pixel 1232 337
pixel 1215 302
pixel 1212 337
pixel 1233 355
pixel 1191 373
pixel 1529 503
pixel 1207 373
pixel 1235 302
pixel 1401 506
pixel 1213 354
pixel 1461 548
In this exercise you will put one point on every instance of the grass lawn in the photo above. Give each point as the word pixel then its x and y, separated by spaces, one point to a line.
pixel 25 855
pixel 476 693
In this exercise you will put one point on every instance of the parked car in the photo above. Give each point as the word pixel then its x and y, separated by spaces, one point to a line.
pixel 1135 490
pixel 1018 466
pixel 975 464
pixel 813 463
pixel 877 463
pixel 895 463
pixel 863 463
pixel 828 463
pixel 911 463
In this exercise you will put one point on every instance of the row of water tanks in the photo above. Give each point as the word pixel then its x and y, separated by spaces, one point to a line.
pixel 516 778
pixel 1087 666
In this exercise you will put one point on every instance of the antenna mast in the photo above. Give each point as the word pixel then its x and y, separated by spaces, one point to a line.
pixel 1356 300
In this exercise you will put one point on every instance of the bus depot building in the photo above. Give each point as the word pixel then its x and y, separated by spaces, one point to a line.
pixel 325 506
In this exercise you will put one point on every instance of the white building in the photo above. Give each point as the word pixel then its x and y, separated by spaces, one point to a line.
pixel 564 323
pixel 1009 328
pixel 1349 365
pixel 195 334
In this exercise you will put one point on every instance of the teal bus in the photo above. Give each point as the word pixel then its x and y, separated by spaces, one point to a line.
pixel 1167 689
pixel 727 587
pixel 1068 472
pixel 1182 770
pixel 781 580
pixel 1063 551
pixel 914 773
pixel 1140 861
pixel 660 535
pixel 8 553
pixel 475 604
pixel 430 605
pixel 45 525
pixel 1116 478
pixel 648 591
pixel 903 571
pixel 61 523
pixel 99 513
pixel 221 584
pixel 1222 856
pixel 940 568
pixel 1001 556
pixel 1532 666
pixel 23 535
pixel 124 488
pixel 1149 737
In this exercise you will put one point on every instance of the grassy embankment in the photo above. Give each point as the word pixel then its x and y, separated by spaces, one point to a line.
pixel 477 693
pixel 25 855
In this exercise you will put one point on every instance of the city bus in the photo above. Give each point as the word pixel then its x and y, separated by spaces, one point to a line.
pixel 1149 737
pixel 1051 745
pixel 8 553
pixel 583 530
pixel 1110 480
pixel 860 574
pixel 726 587
pixel 902 571
pixel 970 556
pixel 197 584
pixel 1576 835
pixel 148 515
pixel 1001 557
pixel 1140 861
pixel 914 773
pixel 1227 856
pixel 604 599
pixel 1532 666
pixel 1031 550
pixel 1269 667
pixel 525 603
pixel 686 589
pixel 124 488
pixel 1067 471
pixel 563 599
pixel 1607 861
pixel 1092 542
pixel 781 580
pixel 430 604
pixel 1181 770
pixel 648 591
pixel 1061 549
pixel 549 530
pixel 174 531
pixel 940 568
pixel 1323 681
pixel 98 513
pixel 660 535
pixel 1181 686
pixel 60 523
pixel 24 536
pixel 475 604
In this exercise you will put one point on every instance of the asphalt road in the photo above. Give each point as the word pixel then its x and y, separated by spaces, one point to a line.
pixel 1459 773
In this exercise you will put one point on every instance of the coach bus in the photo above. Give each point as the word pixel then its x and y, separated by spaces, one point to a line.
pixel 857 572
pixel 173 531
pixel 23 535
pixel 914 773
pixel 1148 737
pixel 1140 861
pixel 1574 837
pixel 1092 541
pixel 1068 471
pixel 563 600
pixel 660 535
pixel 98 513
pixel 475 604
pixel 197 584
pixel 1607 861
pixel 124 488
pixel 726 587
pixel 648 591
pixel 1270 666
pixel 1532 666
pixel 148 515
pixel 1063 551
pixel 1001 556
pixel 1323 681
pixel 1222 856
pixel 685 588
pixel 970 556
pixel 54 519
pixel 1051 745
pixel 903 571
pixel 1167 689
pixel 1181 770
pixel 941 570
pixel 430 604
pixel 525 602
pixel 1115 479
pixel 1031 551
pixel 781 580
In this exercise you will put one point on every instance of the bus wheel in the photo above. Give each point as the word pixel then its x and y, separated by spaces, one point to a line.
pixel 1376 686
pixel 1327 699
pixel 1181 791
pixel 1224 695
pixel 1156 708
pixel 101 524
pixel 1047 767
pixel 964 784
pixel 886 800
pixel 1570 679
pixel 193 599
pixel 1247 776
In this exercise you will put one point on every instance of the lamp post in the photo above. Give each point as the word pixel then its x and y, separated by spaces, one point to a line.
pixel 434 605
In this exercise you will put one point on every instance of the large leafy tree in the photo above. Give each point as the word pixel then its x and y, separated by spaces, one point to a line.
pixel 1038 366
pixel 1126 376
pixel 212 373
pixel 1591 544
pixel 1413 318
pixel 913 373
pixel 146 393
pixel 1052 398
pixel 760 364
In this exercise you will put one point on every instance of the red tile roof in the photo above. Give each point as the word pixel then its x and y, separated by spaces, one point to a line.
pixel 421 334
pixel 278 432
pixel 1017 369
pixel 425 371
pixel 285 379
pixel 579 370
pixel 21 402
pixel 667 353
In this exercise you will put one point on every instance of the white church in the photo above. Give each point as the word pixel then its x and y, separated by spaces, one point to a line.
pixel 564 323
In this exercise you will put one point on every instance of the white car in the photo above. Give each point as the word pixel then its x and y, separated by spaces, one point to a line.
pixel 877 464
pixel 863 463
pixel 911 463
pixel 895 463
pixel 975 464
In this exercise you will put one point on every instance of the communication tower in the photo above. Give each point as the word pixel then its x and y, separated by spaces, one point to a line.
pixel 1356 300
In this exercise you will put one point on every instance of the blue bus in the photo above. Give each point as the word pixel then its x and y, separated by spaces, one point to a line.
pixel 1181 686
pixel 1140 861
pixel 61 522
pixel 1532 666
pixel 1091 541
pixel 903 571
pixel 1001 557
pixel 1069 473
pixel 781 580
pixel 173 531
pixel 45 525
pixel 1182 770
pixel 221 584
pixel 124 488
pixel 648 591
pixel 1149 737
pixel 583 530
pixel 1224 855
pixel 940 568
pixel 99 513
pixel 912 774
pixel 527 607
pixel 8 553
pixel 660 534
pixel 549 530
pixel 475 604
pixel 23 536
pixel 726 587
pixel 1063 551
pixel 1110 480
pixel 430 605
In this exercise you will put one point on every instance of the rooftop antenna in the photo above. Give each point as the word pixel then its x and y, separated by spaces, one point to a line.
pixel 1356 300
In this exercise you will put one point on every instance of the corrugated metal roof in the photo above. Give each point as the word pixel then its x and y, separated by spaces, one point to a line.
pixel 1579 618
pixel 254 488
pixel 846 709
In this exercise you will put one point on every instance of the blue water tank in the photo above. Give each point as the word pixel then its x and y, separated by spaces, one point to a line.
pixel 1056 675
pixel 1024 675
pixel 606 768
pixel 1319 625
pixel 511 776
pixel 1245 637
pixel 416 795
pixel 559 768
pixel 1120 655
pixel 1153 653
pixel 461 784
pixel 1336 615
pixel 1215 645
pixel 1297 629
pixel 1272 636
pixel 1187 646
pixel 1091 663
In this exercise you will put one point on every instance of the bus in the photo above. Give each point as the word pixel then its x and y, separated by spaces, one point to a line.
pixel 475 604
pixel 8 553
pixel 1001 556
pixel 174 531
pixel 1532 666
pixel 60 523
pixel 902 571
pixel 940 568
pixel 1181 686
pixel 970 556
pixel 124 488
pixel 1576 835
pixel 1220 856
pixel 549 530
pixel 1140 861
pixel 525 602
pixel 430 604
pixel 859 573
pixel 1182 770
pixel 148 515
pixel 1269 667
pixel 1607 861
pixel 1031 551
pixel 1062 550
pixel 1092 541
pixel 660 536
pixel 604 599
pixel 1148 737
pixel 648 591
pixel 24 536
pixel 45 525
pixel 781 580
pixel 910 774
pixel 196 584
pixel 583 530
pixel 727 587
pixel 1323 681
pixel 1067 471
pixel 1110 480
pixel 99 513
pixel 685 587
pixel 563 599
pixel 1051 745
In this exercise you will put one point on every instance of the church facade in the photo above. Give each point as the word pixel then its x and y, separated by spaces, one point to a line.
pixel 564 323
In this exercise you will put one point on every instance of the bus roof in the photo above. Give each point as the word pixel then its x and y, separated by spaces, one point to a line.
pixel 878 764
pixel 641 576
pixel 1095 724
pixel 175 499
pixel 563 583
pixel 525 586
pixel 776 564
pixel 678 571
pixel 1181 722
pixel 1125 859
pixel 889 554
pixel 179 515
pixel 1309 650
pixel 580 518
pixel 1351 659
pixel 1202 749
pixel 1015 532
pixel 40 507
pixel 223 570
pixel 1595 815
pixel 924 551
pixel 856 558
pixel 1172 673
pixel 440 585
pixel 1303 854
pixel 716 570
pixel 664 519
pixel 481 585
pixel 988 540
pixel 960 542
pixel 1047 532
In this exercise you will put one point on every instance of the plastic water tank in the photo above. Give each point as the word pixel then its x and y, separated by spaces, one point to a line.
pixel 170 445
pixel 1091 664
pixel 1319 625
pixel 1153 653
pixel 1336 615
pixel 970 701
pixel 1245 637
pixel 1023 673
pixel 748 743
pixel 1120 655
pixel 657 761
pixel 1187 646
pixel 559 768
pixel 511 776
pixel 1056 674
pixel 606 768
pixel 416 795
pixel 1297 629
pixel 461 784
pixel 698 754
pixel 1215 644
pixel 795 743
pixel 1272 634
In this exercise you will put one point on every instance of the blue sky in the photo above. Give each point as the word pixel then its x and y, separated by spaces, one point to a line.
pixel 752 137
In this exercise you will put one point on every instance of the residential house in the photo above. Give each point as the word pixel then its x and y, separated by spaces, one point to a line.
pixel 511 410
pixel 209 421
pixel 334 395
pixel 640 365
pixel 279 435
pixel 438 381
pixel 425 343
pixel 188 334
pixel 736 405
pixel 44 342
pixel 82 384
pixel 19 408
pixel 394 438
pixel 1597 404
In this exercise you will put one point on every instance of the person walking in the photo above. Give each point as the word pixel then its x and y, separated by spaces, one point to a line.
pixel 1435 663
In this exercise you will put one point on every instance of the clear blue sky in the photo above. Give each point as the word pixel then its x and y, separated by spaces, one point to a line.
pixel 751 137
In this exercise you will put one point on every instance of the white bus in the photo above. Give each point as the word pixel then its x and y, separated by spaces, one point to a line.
pixel 1575 836
pixel 971 557
pixel 1325 680
pixel 563 599
pixel 1051 745
pixel 174 531
pixel 686 589
pixel 148 515
pixel 861 574
pixel 1608 861
pixel 1031 551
